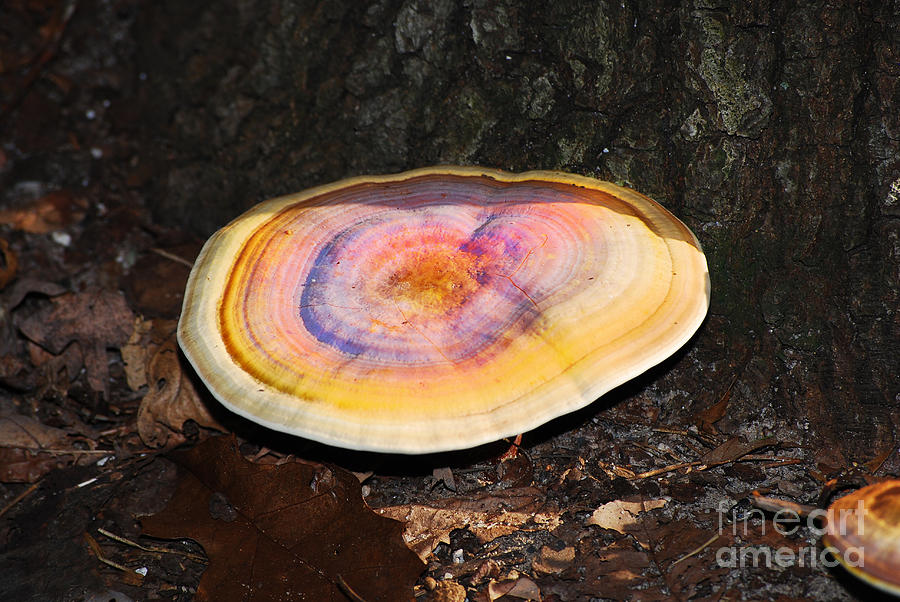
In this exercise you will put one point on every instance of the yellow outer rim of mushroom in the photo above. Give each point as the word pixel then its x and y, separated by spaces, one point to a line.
pixel 202 343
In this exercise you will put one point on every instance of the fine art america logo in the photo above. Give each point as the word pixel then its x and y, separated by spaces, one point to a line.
pixel 788 522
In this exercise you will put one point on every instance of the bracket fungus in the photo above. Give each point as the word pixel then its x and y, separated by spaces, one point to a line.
pixel 439 308
pixel 863 532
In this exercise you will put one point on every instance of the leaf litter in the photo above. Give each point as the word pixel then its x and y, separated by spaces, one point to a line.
pixel 487 516
pixel 93 321
pixel 296 530
pixel 152 360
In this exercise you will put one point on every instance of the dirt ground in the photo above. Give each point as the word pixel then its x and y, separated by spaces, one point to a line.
pixel 122 479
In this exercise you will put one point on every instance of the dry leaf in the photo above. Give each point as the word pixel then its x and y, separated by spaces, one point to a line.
pixel 487 517
pixel 17 430
pixel 53 211
pixel 282 532
pixel 447 591
pixel 23 440
pixel 621 515
pixel 57 370
pixel 96 319
pixel 707 417
pixel 622 571
pixel 137 351
pixel 444 475
pixel 19 465
pixel 522 588
pixel 25 286
pixel 734 449
pixel 552 562
pixel 617 571
pixel 171 399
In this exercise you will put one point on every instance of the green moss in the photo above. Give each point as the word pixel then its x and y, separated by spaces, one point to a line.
pixel 740 102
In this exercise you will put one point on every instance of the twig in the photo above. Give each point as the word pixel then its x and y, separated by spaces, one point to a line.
pixel 782 462
pixel 705 466
pixel 348 591
pixel 669 468
pixel 877 463
pixel 173 257
pixel 66 451
pixel 772 504
pixel 154 549
pixel 95 548
pixel 19 498
pixel 702 547
pixel 671 431
pixel 703 438
pixel 127 542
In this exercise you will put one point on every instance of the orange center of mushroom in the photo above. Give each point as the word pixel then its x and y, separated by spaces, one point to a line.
pixel 436 281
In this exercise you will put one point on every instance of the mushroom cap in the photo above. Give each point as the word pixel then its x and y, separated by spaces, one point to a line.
pixel 439 308
pixel 864 529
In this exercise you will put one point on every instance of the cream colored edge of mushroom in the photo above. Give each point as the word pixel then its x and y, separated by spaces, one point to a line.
pixel 206 350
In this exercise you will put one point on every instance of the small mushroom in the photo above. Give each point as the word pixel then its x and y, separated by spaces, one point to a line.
pixel 863 531
pixel 439 308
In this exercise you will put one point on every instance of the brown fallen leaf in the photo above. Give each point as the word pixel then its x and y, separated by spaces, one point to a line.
pixel 444 474
pixel 56 370
pixel 16 373
pixel 735 448
pixel 17 430
pixel 19 465
pixel 550 562
pixel 283 532
pixel 30 449
pixel 624 516
pixel 487 517
pixel 706 418
pixel 673 565
pixel 171 399
pixel 25 286
pixel 521 588
pixel 47 213
pixel 96 319
pixel 138 350
pixel 688 556
pixel 618 570
pixel 447 591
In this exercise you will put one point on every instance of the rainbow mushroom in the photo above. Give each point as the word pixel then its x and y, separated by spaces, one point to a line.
pixel 863 532
pixel 439 308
